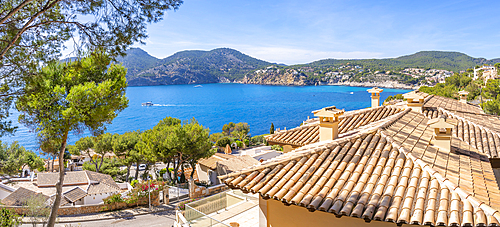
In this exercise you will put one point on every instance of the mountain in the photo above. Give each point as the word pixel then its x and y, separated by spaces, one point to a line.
pixel 137 60
pixel 229 65
pixel 189 67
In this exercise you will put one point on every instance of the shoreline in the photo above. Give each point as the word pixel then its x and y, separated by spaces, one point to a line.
pixel 389 85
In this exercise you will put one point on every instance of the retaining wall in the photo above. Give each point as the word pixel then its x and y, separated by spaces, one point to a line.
pixel 96 208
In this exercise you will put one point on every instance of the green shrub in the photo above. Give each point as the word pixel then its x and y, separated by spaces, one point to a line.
pixel 9 218
pixel 115 198
pixel 239 143
pixel 163 171
pixel 256 140
pixel 223 142
pixel 277 147
pixel 133 183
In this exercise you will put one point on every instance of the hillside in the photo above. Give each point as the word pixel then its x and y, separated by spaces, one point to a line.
pixel 137 60
pixel 194 67
pixel 451 61
pixel 228 65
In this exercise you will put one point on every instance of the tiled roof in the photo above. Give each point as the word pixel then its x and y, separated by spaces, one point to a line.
pixel 105 183
pixel 211 162
pixel 392 175
pixel 309 133
pixel 19 197
pixel 235 164
pixel 75 194
pixel 98 182
pixel 101 188
pixel 484 139
pixel 435 101
pixel 71 178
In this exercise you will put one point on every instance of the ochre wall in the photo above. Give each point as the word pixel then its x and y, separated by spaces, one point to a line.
pixel 279 215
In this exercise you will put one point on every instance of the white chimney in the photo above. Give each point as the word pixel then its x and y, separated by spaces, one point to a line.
pixel 463 96
pixel 414 101
pixel 375 96
pixel 442 132
pixel 328 122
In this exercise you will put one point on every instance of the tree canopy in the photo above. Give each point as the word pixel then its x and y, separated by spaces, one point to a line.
pixel 176 143
pixel 32 33
pixel 72 97
pixel 14 157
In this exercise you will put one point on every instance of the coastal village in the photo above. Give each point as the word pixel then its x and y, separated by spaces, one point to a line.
pixel 428 160
pixel 346 113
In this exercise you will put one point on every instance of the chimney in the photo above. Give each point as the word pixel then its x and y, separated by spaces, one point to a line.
pixel 442 132
pixel 328 122
pixel 463 96
pixel 375 96
pixel 414 101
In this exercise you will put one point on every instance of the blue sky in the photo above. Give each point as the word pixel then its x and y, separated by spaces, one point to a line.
pixel 294 32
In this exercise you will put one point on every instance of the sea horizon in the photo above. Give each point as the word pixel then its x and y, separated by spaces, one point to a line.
pixel 216 104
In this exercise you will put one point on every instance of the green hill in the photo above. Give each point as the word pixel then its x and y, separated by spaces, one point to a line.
pixel 195 66
pixel 228 65
pixel 453 61
pixel 137 60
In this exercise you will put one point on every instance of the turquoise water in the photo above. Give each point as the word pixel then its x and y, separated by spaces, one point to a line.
pixel 214 105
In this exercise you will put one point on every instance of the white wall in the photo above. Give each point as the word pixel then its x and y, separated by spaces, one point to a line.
pixel 202 173
pixel 95 199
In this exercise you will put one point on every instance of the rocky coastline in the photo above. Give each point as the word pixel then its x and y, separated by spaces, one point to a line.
pixel 387 84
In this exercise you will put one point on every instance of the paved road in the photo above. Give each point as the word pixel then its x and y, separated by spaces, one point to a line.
pixel 165 218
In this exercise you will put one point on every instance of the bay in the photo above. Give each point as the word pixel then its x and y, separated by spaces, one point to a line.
pixel 214 105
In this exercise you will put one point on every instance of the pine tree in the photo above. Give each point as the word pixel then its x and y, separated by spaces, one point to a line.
pixel 271 131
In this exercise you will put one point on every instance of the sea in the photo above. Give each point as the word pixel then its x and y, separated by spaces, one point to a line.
pixel 214 105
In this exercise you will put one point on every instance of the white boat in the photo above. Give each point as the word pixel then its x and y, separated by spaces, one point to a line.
pixel 147 103
pixel 198 86
pixel 352 92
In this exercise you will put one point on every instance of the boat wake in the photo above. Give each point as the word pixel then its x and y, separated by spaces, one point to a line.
pixel 169 105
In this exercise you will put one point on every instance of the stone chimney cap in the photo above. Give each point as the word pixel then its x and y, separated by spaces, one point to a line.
pixel 330 111
pixel 412 95
pixel 442 122
pixel 375 90
pixel 463 92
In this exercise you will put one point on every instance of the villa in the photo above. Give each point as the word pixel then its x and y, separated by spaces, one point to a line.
pixel 79 188
pixel 428 160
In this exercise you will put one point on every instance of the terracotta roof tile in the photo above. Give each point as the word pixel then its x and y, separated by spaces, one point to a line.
pixel 309 133
pixel 212 161
pixel 75 194
pixel 20 196
pixel 392 175
pixel 71 178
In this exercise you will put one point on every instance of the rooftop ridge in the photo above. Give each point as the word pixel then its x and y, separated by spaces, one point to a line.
pixel 299 153
pixel 350 123
pixel 481 127
pixel 100 180
pixel 443 180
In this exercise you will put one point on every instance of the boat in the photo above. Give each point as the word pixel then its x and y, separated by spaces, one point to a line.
pixel 352 92
pixel 147 104
pixel 198 86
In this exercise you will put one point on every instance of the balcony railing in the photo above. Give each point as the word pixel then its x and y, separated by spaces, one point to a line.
pixel 198 213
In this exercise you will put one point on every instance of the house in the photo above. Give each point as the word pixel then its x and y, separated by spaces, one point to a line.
pixel 79 188
pixel 489 72
pixel 208 169
pixel 429 161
